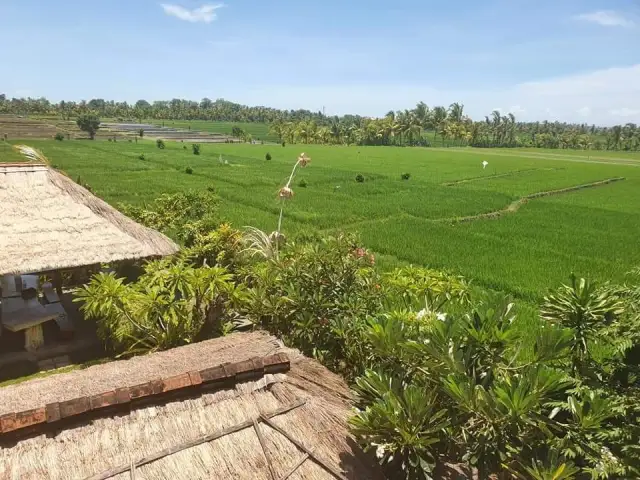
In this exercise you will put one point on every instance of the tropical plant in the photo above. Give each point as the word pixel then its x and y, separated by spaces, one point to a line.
pixel 171 304
pixel 267 156
pixel 359 178
pixel 59 137
pixel 160 143
pixel 188 170
pixel 585 308
pixel 195 148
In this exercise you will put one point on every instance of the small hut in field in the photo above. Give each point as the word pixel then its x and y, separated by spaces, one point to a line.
pixel 48 222
pixel 237 407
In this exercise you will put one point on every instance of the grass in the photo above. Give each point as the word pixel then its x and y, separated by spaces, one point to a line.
pixel 592 232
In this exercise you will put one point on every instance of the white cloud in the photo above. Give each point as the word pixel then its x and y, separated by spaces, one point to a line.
pixel 606 18
pixel 206 13
pixel 625 112
pixel 517 109
pixel 584 111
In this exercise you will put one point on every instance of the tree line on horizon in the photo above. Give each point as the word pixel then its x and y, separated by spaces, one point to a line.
pixel 420 126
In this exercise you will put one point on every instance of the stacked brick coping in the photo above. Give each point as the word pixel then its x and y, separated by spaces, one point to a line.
pixel 220 376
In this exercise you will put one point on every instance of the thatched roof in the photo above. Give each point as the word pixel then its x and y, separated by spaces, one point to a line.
pixel 274 413
pixel 48 222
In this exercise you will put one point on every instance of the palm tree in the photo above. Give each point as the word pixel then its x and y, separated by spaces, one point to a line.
pixel 455 112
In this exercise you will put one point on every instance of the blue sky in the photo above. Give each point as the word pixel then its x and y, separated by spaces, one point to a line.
pixel 574 60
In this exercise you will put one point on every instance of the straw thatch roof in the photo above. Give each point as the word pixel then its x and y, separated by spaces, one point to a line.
pixel 270 423
pixel 48 222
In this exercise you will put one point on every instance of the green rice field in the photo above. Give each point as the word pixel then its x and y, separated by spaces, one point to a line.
pixel 594 231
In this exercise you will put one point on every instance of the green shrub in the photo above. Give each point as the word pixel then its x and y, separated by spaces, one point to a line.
pixel 141 156
pixel 184 147
pixel 267 156
pixel 171 304
pixel 160 143
pixel 317 298
pixel 405 176
pixel 196 148
pixel 141 132
pixel 360 178
pixel 59 137
pixel 188 170
pixel 302 183
pixel 475 386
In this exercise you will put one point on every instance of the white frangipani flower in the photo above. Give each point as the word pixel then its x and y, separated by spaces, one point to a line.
pixel 441 316
pixel 422 314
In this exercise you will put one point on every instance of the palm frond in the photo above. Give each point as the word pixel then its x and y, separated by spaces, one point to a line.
pixel 258 243
pixel 32 154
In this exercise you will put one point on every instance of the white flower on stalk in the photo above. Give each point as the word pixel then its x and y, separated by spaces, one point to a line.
pixel 285 193
pixel 303 159
pixel 379 450
pixel 484 164
pixel 422 314
pixel 441 316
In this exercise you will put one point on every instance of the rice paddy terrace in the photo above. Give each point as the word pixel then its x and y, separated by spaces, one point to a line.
pixel 521 224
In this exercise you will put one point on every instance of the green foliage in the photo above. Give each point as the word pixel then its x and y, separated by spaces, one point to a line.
pixel 404 425
pixel 188 170
pixel 359 178
pixel 88 123
pixel 196 148
pixel 303 183
pixel 141 132
pixel 171 304
pixel 59 137
pixel 267 156
pixel 509 404
pixel 171 214
pixel 160 144
pixel 585 308
pixel 316 297
pixel 405 176
pixel 142 157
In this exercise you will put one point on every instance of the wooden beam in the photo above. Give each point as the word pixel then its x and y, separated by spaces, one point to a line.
pixel 313 456
pixel 264 449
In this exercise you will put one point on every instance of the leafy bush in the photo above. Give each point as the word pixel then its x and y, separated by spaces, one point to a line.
pixel 59 137
pixel 160 144
pixel 475 387
pixel 141 132
pixel 89 124
pixel 188 170
pixel 142 157
pixel 405 176
pixel 171 304
pixel 283 144
pixel 360 178
pixel 267 156
pixel 196 148
pixel 302 183
pixel 170 213
pixel 184 147
pixel 316 297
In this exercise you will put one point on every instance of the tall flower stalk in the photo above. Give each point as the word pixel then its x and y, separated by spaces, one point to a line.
pixel 286 193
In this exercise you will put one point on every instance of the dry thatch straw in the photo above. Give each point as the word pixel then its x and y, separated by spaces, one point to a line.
pixel 48 222
pixel 319 424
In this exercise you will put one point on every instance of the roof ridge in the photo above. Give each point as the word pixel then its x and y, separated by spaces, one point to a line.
pixel 214 377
